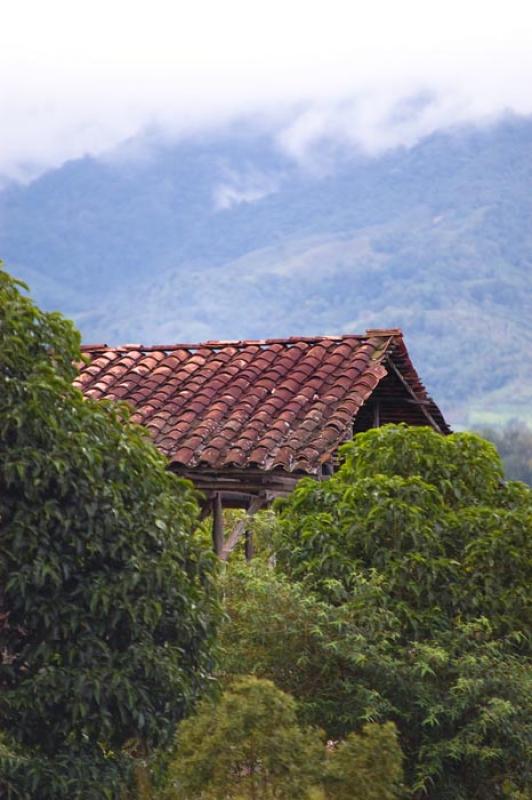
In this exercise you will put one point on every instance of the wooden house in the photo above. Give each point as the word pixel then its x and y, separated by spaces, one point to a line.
pixel 245 420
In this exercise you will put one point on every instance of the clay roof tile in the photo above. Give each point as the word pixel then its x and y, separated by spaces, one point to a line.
pixel 273 403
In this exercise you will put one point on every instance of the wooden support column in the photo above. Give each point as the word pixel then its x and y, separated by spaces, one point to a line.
pixel 217 524
pixel 376 414
pixel 248 545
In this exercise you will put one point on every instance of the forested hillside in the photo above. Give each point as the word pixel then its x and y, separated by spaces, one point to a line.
pixel 227 237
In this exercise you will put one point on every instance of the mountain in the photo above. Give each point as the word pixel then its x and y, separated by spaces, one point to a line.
pixel 226 236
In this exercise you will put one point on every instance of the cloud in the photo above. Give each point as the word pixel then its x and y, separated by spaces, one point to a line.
pixel 81 79
pixel 246 186
pixel 373 123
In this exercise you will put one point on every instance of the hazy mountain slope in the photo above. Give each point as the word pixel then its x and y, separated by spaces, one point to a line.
pixel 436 239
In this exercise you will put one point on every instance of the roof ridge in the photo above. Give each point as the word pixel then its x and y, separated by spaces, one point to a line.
pixel 217 344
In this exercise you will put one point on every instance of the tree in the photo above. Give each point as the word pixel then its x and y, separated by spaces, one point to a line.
pixel 247 745
pixel 107 606
pixel 277 629
pixel 404 581
pixel 366 766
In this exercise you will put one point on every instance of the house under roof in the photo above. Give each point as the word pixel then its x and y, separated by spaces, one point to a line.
pixel 245 420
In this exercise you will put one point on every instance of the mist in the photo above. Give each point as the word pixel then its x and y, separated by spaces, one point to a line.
pixel 77 81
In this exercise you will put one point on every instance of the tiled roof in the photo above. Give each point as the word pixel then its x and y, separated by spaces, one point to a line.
pixel 273 403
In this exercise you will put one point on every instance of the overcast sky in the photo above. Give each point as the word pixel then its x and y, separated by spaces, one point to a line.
pixel 80 77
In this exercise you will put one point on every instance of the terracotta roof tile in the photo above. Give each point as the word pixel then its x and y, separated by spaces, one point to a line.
pixel 274 403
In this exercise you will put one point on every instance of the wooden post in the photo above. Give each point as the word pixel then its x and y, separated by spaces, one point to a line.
pixel 217 524
pixel 376 414
pixel 248 545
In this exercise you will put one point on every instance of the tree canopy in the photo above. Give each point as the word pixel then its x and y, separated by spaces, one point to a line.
pixel 250 744
pixel 247 745
pixel 401 593
pixel 107 607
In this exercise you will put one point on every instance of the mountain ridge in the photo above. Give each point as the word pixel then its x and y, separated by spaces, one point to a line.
pixel 227 237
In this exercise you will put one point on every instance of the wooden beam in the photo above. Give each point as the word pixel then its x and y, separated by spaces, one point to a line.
pixel 253 476
pixel 417 402
pixel 241 485
pixel 217 524
pixel 411 392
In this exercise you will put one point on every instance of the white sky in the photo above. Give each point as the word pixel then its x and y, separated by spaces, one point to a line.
pixel 79 77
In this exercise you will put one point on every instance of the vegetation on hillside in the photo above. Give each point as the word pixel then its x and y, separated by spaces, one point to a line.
pixel 434 239
pixel 514 443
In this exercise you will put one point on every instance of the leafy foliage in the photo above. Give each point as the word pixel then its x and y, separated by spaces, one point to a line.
pixel 430 516
pixel 248 745
pixel 107 609
pixel 280 631
pixel 402 593
pixel 366 766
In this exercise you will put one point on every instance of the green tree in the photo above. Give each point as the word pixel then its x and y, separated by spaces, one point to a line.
pixel 366 766
pixel 277 629
pixel 107 604
pixel 248 745
pixel 403 582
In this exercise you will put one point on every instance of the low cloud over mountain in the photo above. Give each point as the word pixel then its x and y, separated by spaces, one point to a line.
pixel 230 236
